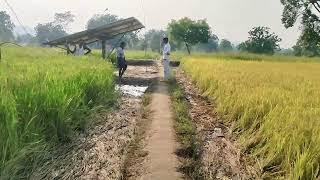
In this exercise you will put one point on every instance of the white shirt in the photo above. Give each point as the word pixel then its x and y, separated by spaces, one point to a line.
pixel 166 50
pixel 120 53
pixel 79 51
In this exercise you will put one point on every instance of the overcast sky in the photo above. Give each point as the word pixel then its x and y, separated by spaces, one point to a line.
pixel 231 19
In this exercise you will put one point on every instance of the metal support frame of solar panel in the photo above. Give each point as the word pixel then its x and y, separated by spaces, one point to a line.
pixel 106 32
pixel 101 33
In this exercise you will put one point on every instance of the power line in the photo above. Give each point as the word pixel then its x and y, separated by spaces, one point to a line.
pixel 143 12
pixel 17 17
pixel 144 22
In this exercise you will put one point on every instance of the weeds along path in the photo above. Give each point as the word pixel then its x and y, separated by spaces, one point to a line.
pixel 219 157
pixel 159 161
pixel 100 152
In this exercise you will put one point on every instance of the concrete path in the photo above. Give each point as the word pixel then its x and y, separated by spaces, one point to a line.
pixel 163 162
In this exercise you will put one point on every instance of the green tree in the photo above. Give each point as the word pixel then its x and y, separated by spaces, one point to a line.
pixel 261 41
pixel 55 29
pixel 189 32
pixel 49 31
pixel 210 46
pixel 153 38
pixel 131 39
pixel 225 45
pixel 26 39
pixel 309 41
pixel 309 10
pixel 64 19
pixel 6 27
pixel 294 8
pixel 101 19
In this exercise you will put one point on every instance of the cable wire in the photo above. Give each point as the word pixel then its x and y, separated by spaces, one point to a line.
pixel 144 22
pixel 143 12
pixel 17 17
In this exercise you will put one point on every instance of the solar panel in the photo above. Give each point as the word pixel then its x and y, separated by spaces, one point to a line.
pixel 105 32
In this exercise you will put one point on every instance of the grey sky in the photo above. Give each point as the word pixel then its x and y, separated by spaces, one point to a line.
pixel 231 19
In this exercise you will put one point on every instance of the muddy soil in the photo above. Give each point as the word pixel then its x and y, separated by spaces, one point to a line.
pixel 101 151
pixel 219 156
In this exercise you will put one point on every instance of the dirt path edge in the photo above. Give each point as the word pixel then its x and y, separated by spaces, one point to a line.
pixel 219 156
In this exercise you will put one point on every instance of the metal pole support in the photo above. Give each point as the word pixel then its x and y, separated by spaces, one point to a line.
pixel 103 48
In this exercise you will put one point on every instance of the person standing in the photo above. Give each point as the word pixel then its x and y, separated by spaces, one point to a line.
pixel 166 58
pixel 122 63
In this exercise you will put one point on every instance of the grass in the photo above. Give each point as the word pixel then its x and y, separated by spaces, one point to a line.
pixel 248 57
pixel 136 152
pixel 272 107
pixel 134 54
pixel 130 54
pixel 186 132
pixel 141 55
pixel 45 97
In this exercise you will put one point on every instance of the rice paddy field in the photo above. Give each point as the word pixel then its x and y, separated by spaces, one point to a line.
pixel 130 54
pixel 272 105
pixel 45 97
pixel 142 55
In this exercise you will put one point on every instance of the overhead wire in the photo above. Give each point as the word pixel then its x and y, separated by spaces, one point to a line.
pixel 143 12
pixel 16 16
pixel 145 24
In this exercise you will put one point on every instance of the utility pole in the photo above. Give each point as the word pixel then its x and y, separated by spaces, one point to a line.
pixel 145 46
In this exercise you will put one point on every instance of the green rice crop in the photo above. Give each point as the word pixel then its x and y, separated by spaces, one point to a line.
pixel 44 97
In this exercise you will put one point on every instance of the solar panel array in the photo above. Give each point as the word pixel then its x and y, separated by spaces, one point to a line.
pixel 105 32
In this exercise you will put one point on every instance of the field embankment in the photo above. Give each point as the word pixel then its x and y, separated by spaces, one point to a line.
pixel 272 108
pixel 45 97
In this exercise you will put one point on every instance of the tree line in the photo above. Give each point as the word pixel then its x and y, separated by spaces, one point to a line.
pixel 187 34
pixel 199 39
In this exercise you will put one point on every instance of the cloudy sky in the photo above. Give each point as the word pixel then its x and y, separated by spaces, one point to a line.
pixel 231 19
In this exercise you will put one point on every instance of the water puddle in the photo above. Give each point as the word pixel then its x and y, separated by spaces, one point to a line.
pixel 136 91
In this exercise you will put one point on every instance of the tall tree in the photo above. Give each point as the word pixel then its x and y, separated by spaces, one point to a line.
pixel 6 27
pixel 225 45
pixel 131 39
pixel 189 32
pixel 64 19
pixel 55 29
pixel 294 8
pixel 26 39
pixel 153 39
pixel 210 46
pixel 261 41
pixel 309 41
pixel 101 19
pixel 309 11
pixel 49 31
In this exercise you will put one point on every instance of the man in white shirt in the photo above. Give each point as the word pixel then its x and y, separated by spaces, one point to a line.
pixel 166 58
